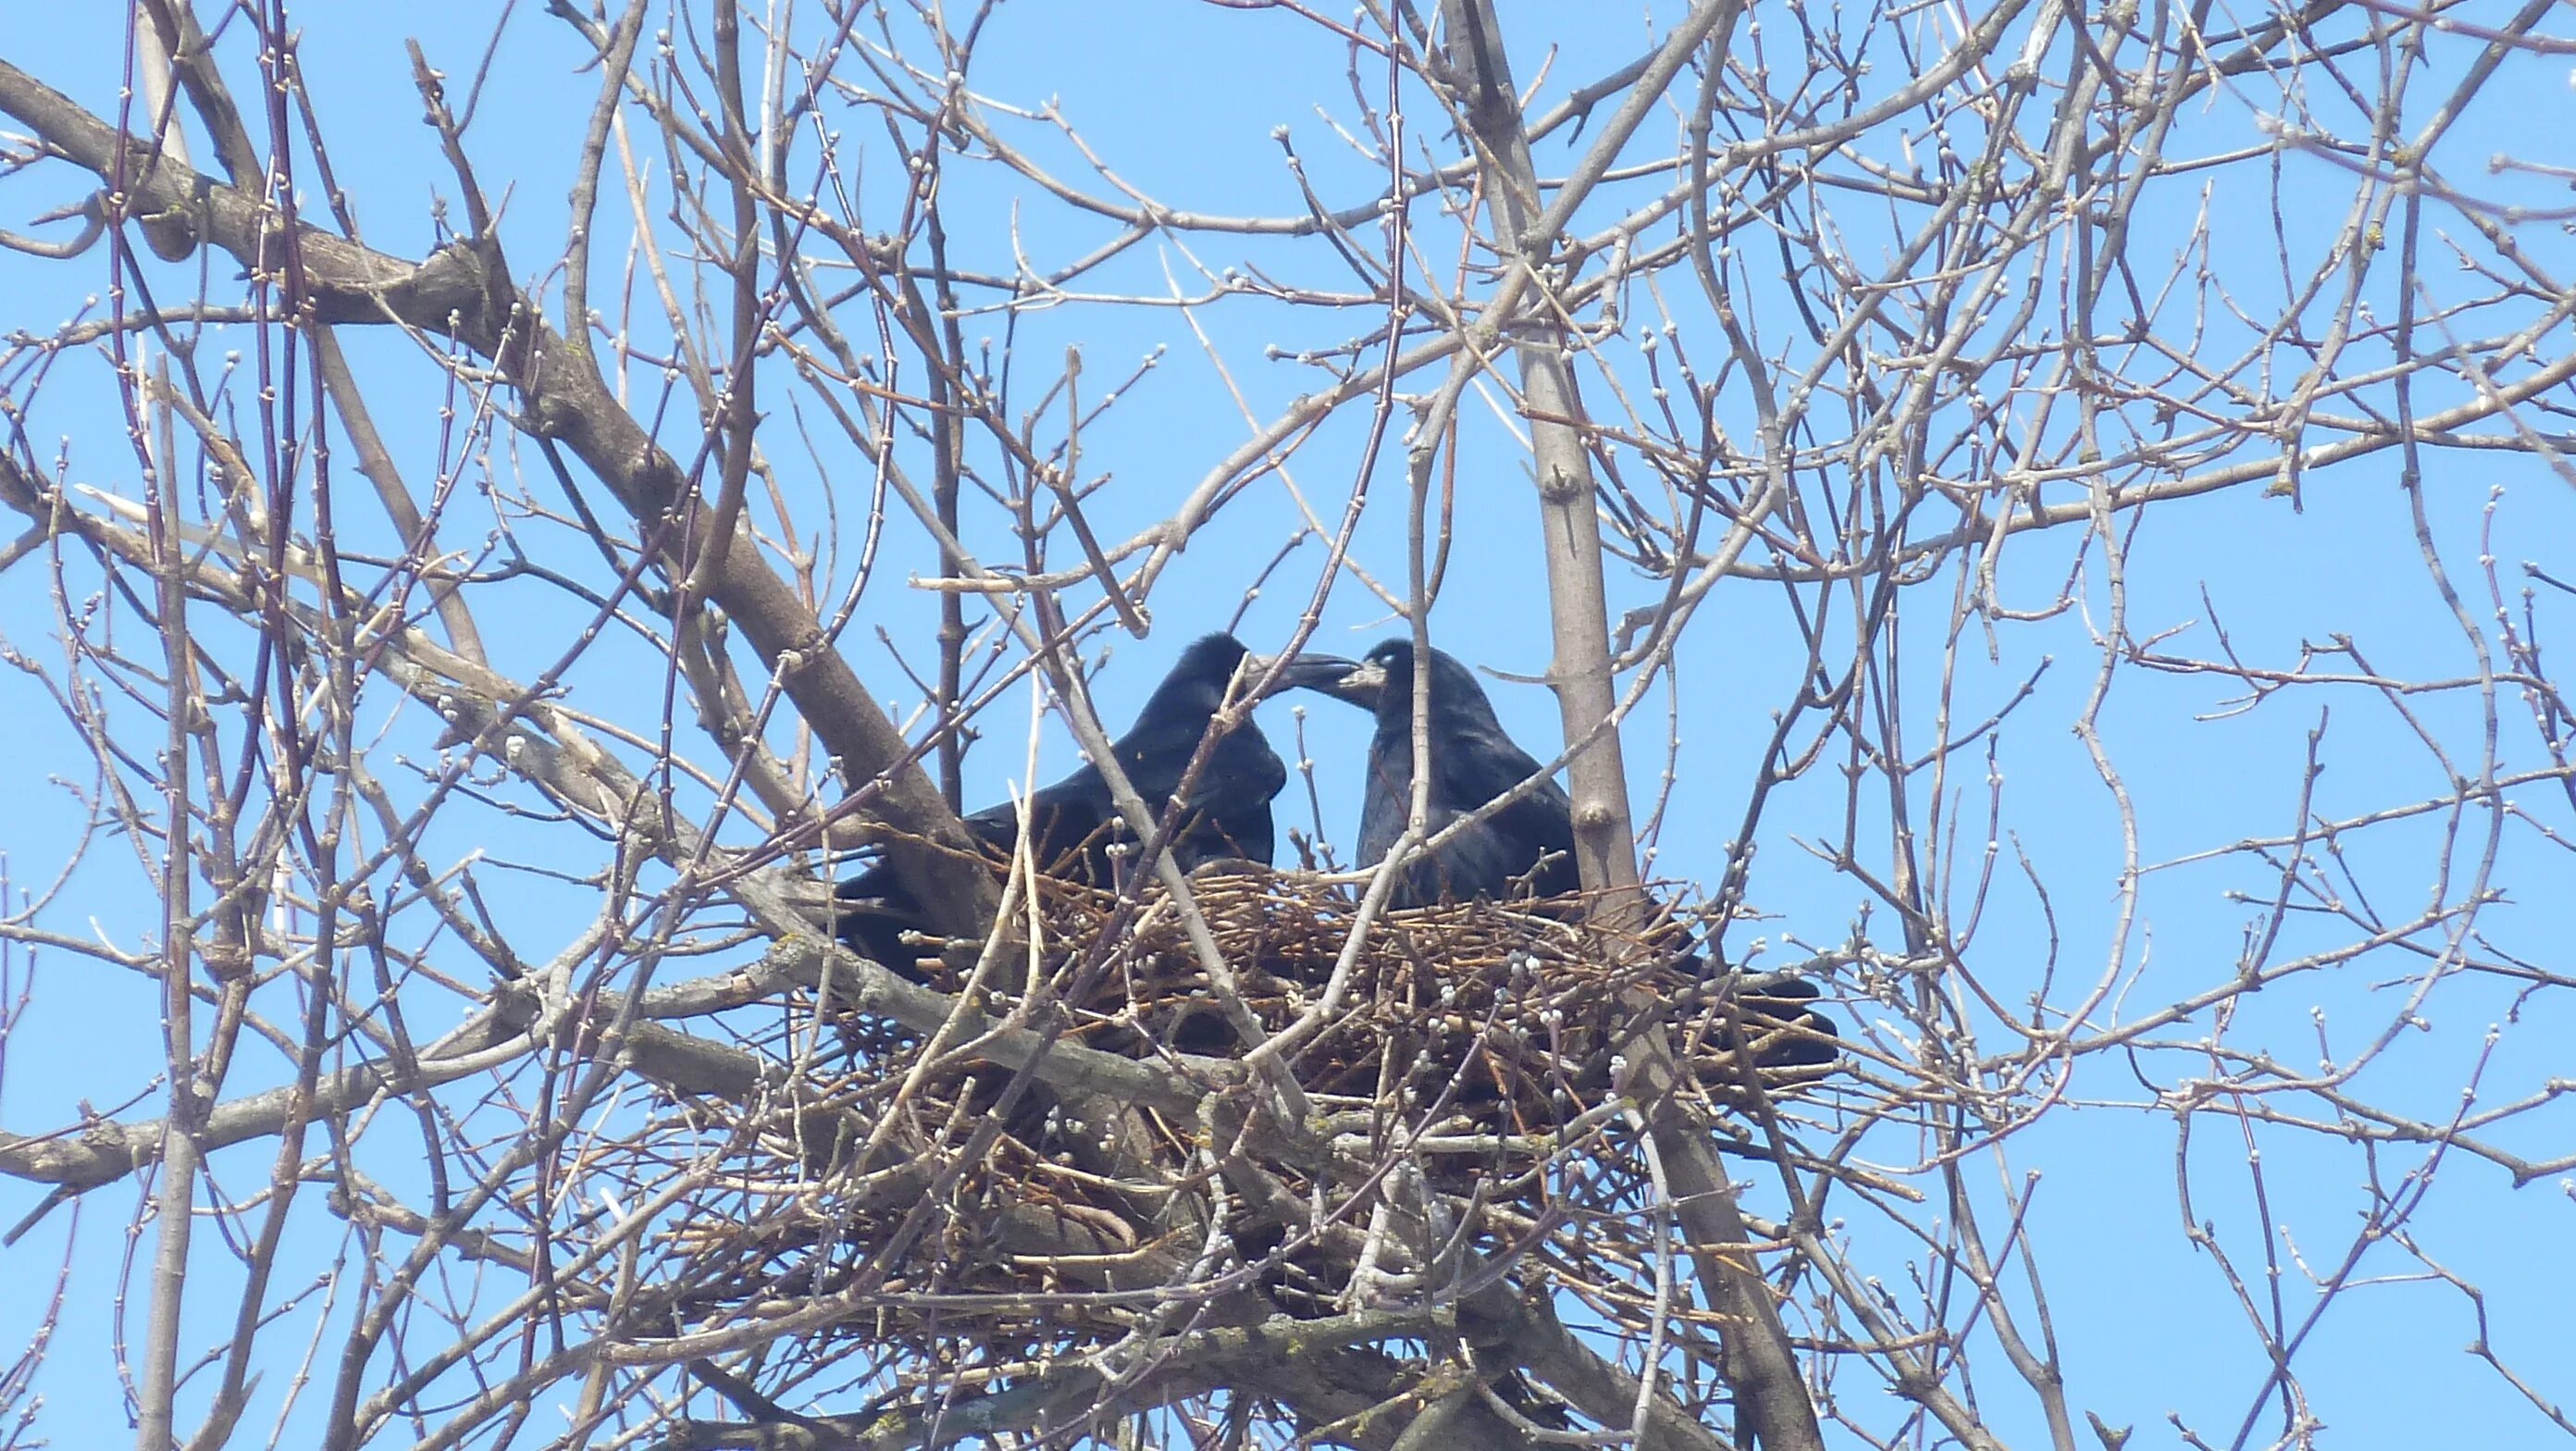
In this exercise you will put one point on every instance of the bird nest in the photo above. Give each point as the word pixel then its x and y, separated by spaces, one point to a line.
pixel 915 1191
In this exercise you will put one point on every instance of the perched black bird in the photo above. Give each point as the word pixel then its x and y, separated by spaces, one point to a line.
pixel 1527 847
pixel 1227 814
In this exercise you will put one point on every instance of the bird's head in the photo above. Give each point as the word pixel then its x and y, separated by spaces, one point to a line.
pixel 1385 676
pixel 1383 684
pixel 1302 672
pixel 1211 657
pixel 1196 684
pixel 1208 669
pixel 1363 682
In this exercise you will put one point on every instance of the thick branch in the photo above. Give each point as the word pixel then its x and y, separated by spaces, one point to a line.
pixel 451 294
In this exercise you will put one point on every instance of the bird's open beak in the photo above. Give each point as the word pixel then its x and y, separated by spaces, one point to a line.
pixel 1330 674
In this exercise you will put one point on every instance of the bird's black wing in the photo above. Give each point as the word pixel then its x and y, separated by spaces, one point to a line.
pixel 872 911
pixel 1227 811
pixel 1474 762
pixel 1230 802
pixel 1074 821
pixel 1482 860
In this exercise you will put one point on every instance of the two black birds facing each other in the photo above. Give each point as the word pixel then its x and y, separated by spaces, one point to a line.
pixel 1523 848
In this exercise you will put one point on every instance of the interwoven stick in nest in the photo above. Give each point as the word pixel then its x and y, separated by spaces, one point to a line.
pixel 1477 1038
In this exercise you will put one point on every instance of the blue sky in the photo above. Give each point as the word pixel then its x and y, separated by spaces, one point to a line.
pixel 1185 101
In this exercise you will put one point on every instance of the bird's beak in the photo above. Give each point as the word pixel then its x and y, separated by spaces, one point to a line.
pixel 1360 683
pixel 1367 675
pixel 1330 674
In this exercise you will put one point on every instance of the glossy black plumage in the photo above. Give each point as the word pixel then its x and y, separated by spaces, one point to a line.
pixel 1227 814
pixel 1525 848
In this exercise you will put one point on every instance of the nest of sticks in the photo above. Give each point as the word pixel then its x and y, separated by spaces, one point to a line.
pixel 916 1194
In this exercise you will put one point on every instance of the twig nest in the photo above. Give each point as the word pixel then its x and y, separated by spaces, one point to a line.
pixel 949 1200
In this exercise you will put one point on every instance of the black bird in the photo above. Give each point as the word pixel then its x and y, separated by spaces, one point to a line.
pixel 1226 816
pixel 1525 848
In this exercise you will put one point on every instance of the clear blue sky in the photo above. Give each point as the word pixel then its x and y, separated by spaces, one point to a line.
pixel 1183 100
